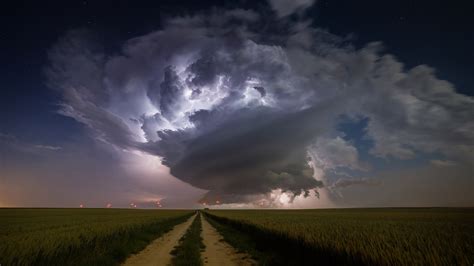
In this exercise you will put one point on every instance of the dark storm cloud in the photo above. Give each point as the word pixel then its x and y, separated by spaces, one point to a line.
pixel 253 152
pixel 241 113
pixel 261 90
pixel 170 92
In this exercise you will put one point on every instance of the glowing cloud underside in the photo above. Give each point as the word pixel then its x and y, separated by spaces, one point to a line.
pixel 252 117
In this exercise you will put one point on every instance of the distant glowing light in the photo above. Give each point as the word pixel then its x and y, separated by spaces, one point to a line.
pixel 284 198
pixel 81 205
pixel 218 202
pixel 109 205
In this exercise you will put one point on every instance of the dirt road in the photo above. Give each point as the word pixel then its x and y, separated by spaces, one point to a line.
pixel 217 251
pixel 158 252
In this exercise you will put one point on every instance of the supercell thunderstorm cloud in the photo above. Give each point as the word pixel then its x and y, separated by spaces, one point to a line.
pixel 248 107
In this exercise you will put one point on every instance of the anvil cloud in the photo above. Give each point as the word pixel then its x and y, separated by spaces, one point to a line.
pixel 243 105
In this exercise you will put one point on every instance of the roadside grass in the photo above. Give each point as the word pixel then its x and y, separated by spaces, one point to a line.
pixel 188 251
pixel 245 243
pixel 270 249
pixel 384 236
pixel 80 236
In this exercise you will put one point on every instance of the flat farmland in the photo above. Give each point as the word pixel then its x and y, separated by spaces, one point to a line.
pixel 386 236
pixel 80 236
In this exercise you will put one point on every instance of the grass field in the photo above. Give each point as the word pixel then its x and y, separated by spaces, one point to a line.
pixel 419 236
pixel 188 252
pixel 413 236
pixel 80 236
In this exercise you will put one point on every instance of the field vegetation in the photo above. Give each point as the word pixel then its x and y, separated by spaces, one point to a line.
pixel 80 236
pixel 388 236
pixel 407 236
pixel 188 251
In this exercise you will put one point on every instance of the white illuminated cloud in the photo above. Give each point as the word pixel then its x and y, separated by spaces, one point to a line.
pixel 192 90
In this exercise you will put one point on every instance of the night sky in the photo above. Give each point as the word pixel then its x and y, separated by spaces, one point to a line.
pixel 295 104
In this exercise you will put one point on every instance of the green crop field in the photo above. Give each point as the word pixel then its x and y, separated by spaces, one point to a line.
pixel 419 236
pixel 80 236
pixel 406 236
